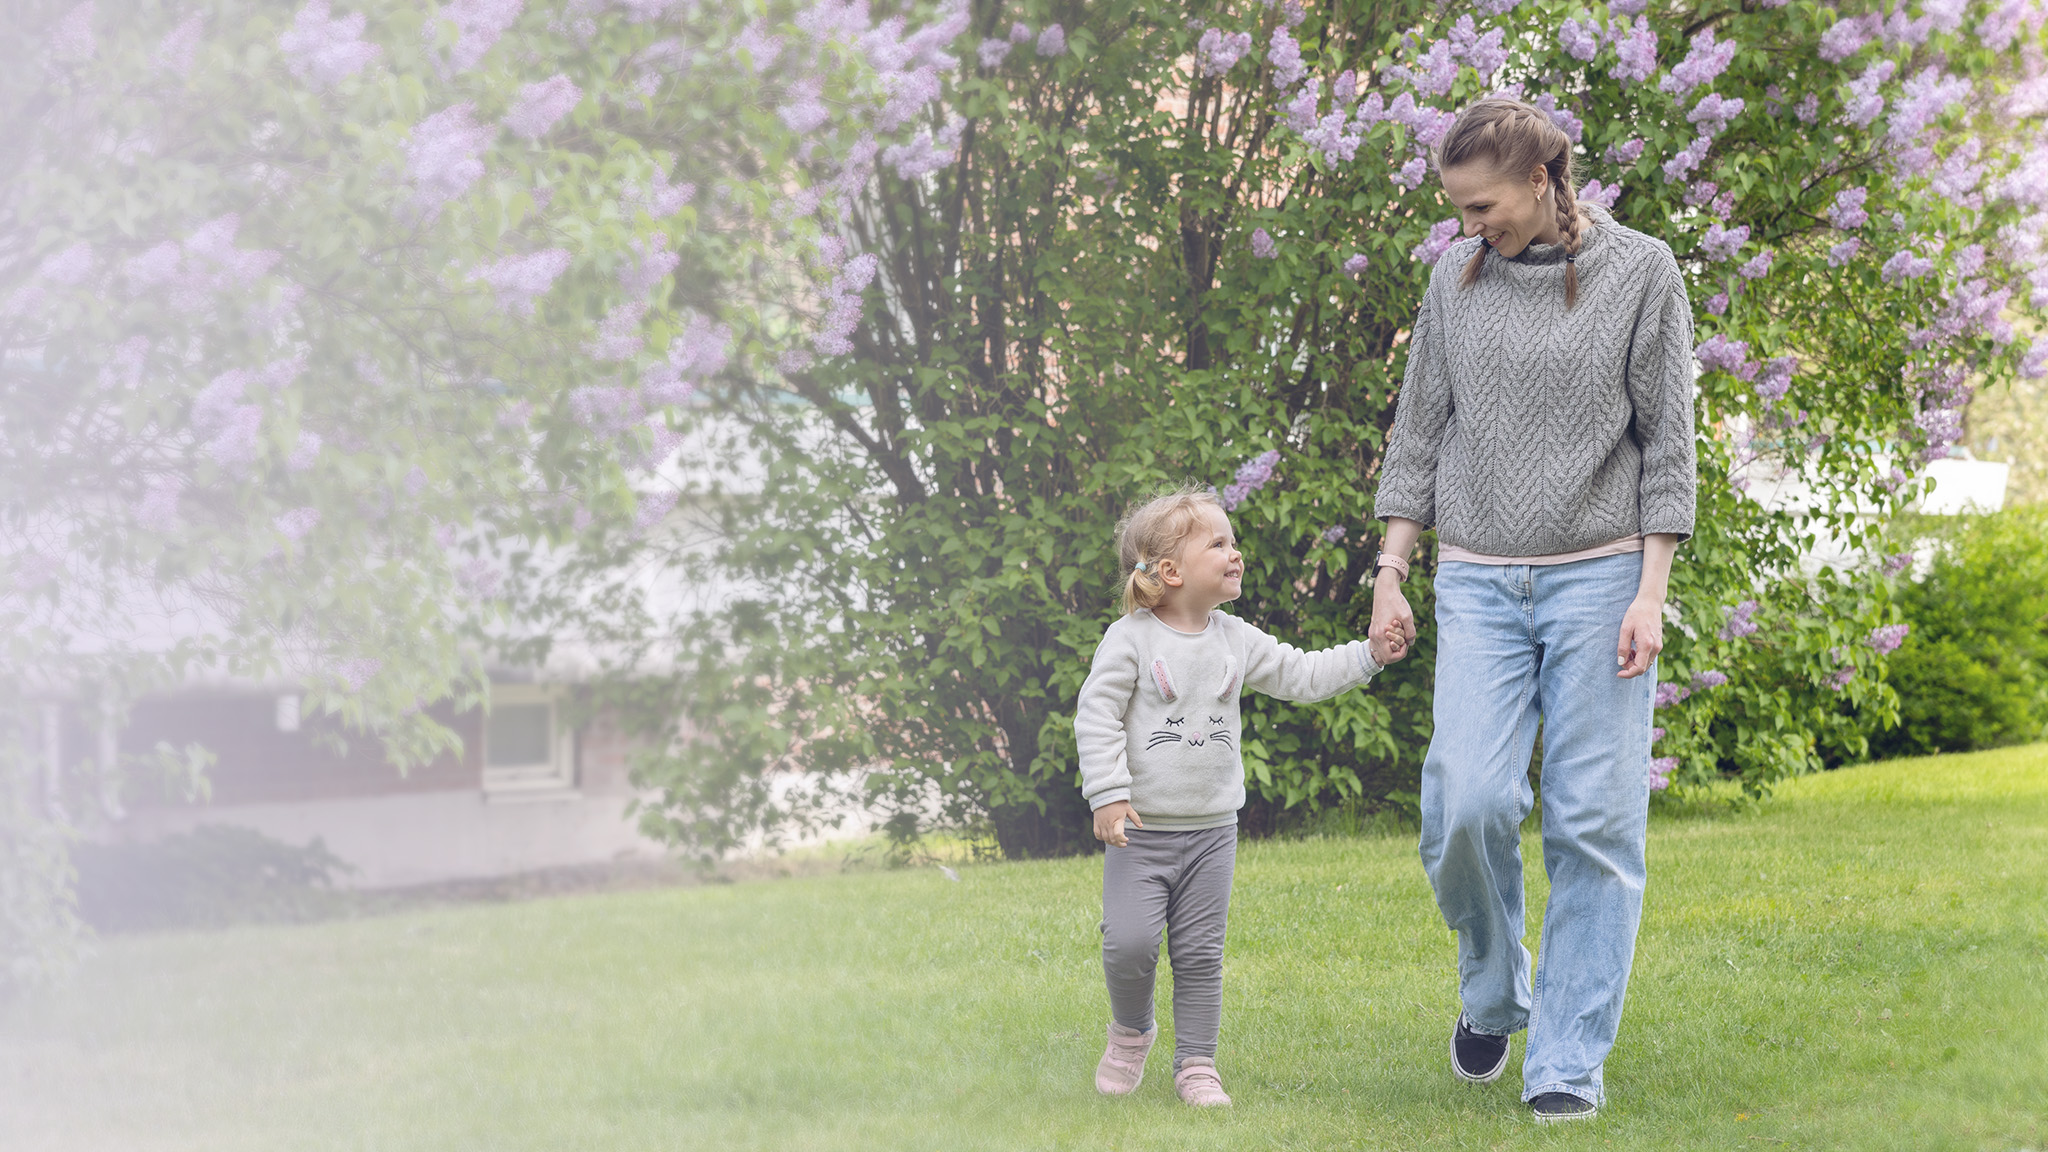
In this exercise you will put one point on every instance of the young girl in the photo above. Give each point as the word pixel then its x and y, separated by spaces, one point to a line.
pixel 1158 729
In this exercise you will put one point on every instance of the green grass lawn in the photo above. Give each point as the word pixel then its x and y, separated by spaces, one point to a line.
pixel 1862 963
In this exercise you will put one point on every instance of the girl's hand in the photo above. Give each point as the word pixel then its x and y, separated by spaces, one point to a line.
pixel 1642 637
pixel 1109 822
pixel 1393 622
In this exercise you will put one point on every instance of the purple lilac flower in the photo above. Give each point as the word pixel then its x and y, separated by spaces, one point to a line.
pixel 605 409
pixel 1219 51
pixel 1292 13
pixel 1580 41
pixel 1285 57
pixel 1052 41
pixel 1253 475
pixel 1998 28
pixel 655 506
pixel 1808 108
pixel 1847 37
pixel 1485 53
pixel 618 334
pixel 322 51
pixel 926 152
pixel 1839 680
pixel 157 511
pixel 1923 97
pixel 1344 90
pixel 357 671
pixel 1302 110
pixel 1776 378
pixel 1690 157
pixel 993 52
pixel 180 46
pixel 1720 354
pixel 1844 252
pixel 1860 102
pixel 479 24
pixel 1604 195
pixel 235 444
pixel 1020 33
pixel 842 314
pixel 1335 138
pixel 1669 694
pixel 1656 734
pixel 756 47
pixel 1945 15
pixel 1661 770
pixel 72 40
pixel 1441 236
pixel 1739 622
pixel 1707 60
pixel 1848 211
pixel 1333 534
pixel 651 264
pixel 304 452
pixel 1356 265
pixel 1717 304
pixel 1943 427
pixel 1959 175
pixel 1723 243
pixel 1434 73
pixel 1897 562
pixel 1906 265
pixel 1567 123
pixel 1758 266
pixel 1411 173
pixel 1701 681
pixel 541 105
pixel 297 522
pixel 1262 244
pixel 658 198
pixel 519 281
pixel 1627 7
pixel 1625 152
pixel 907 94
pixel 1714 111
pixel 1887 639
pixel 2035 364
pixel 1636 55
pixel 444 157
pixel 1901 29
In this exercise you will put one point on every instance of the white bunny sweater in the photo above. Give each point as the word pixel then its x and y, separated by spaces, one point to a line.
pixel 1157 721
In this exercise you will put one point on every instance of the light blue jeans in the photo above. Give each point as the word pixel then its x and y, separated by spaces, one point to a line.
pixel 1516 645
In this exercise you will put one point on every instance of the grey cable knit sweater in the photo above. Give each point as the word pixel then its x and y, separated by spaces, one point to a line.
pixel 1526 430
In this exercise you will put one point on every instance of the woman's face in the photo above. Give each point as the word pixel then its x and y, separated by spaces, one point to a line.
pixel 1508 212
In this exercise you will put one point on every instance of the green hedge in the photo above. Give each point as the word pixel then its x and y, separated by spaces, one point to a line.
pixel 1973 673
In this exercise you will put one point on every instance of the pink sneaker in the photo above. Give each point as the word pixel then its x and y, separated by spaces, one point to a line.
pixel 1123 1062
pixel 1199 1085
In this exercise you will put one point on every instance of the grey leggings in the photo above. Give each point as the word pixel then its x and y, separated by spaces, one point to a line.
pixel 1178 882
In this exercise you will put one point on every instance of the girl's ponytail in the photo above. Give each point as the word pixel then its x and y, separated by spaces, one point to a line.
pixel 1154 531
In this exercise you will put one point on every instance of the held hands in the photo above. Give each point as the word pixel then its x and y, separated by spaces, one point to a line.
pixel 1109 822
pixel 1642 637
pixel 1393 622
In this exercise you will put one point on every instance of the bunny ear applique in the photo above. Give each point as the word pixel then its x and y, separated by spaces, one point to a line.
pixel 1231 676
pixel 1164 679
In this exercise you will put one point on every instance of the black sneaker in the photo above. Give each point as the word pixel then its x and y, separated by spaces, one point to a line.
pixel 1475 1056
pixel 1555 1107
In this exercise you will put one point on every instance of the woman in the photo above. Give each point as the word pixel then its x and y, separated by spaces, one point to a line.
pixel 1545 429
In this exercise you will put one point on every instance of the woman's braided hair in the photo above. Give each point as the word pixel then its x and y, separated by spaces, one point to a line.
pixel 1512 138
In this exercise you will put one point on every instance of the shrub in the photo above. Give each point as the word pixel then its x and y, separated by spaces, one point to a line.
pixel 1973 672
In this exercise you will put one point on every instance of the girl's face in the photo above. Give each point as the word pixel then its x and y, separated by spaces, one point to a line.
pixel 1509 213
pixel 1210 569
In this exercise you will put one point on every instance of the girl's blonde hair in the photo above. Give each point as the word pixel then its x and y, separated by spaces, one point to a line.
pixel 1512 138
pixel 1154 531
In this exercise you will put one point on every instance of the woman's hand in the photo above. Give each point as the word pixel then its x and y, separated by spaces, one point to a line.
pixel 1109 822
pixel 1393 622
pixel 1642 637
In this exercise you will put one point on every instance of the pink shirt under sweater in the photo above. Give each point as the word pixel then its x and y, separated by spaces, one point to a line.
pixel 1619 547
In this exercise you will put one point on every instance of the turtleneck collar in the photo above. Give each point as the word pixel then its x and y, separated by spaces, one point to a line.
pixel 1589 241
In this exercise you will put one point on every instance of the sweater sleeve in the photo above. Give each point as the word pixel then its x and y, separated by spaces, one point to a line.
pixel 1099 720
pixel 1288 673
pixel 1660 384
pixel 1407 480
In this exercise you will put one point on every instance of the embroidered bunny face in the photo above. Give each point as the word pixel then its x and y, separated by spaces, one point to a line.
pixel 1204 724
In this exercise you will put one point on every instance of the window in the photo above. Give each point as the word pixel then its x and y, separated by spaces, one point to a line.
pixel 526 749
